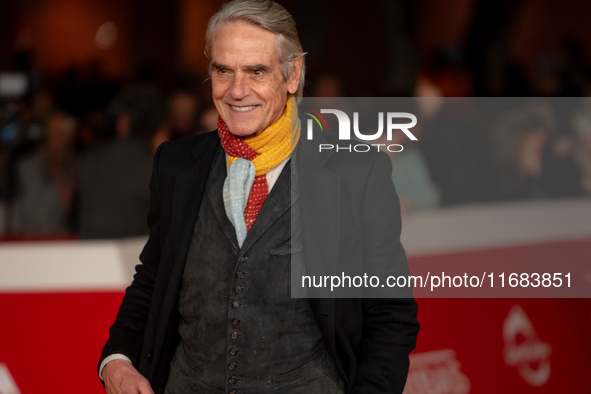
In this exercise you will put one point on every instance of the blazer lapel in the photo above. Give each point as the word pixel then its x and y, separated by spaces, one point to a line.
pixel 188 194
pixel 215 193
pixel 276 204
pixel 319 206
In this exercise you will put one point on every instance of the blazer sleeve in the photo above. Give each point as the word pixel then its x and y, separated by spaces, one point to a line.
pixel 390 326
pixel 127 333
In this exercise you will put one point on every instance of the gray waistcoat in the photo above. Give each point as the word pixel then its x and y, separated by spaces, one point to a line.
pixel 241 332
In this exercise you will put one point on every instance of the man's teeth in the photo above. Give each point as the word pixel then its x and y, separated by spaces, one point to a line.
pixel 242 109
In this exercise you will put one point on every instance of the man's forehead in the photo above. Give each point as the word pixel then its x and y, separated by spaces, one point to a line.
pixel 248 41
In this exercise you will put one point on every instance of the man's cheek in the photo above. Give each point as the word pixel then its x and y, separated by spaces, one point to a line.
pixel 218 87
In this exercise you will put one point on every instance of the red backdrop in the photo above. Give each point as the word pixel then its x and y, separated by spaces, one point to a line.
pixel 51 342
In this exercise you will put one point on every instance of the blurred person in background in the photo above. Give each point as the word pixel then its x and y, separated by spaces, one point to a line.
pixel 114 196
pixel 42 105
pixel 183 107
pixel 519 139
pixel 327 85
pixel 534 160
pixel 208 119
pixel 410 172
pixel 547 76
pixel 29 117
pixel 97 129
pixel 561 175
pixel 454 142
pixel 582 126
pixel 47 181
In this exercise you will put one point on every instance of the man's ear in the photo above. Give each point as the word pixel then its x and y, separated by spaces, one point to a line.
pixel 294 78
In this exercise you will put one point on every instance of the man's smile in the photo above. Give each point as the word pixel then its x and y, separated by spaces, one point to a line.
pixel 243 109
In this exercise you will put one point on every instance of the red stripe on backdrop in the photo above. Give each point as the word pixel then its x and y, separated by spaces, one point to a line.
pixel 51 343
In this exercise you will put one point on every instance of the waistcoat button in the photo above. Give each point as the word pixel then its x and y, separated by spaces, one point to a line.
pixel 234 335
pixel 232 380
pixel 240 274
pixel 238 289
pixel 236 304
pixel 235 321
pixel 233 351
pixel 232 366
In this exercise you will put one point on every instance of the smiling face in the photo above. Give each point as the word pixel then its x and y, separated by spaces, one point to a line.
pixel 248 89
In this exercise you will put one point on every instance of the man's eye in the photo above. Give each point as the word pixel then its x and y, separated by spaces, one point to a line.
pixel 257 72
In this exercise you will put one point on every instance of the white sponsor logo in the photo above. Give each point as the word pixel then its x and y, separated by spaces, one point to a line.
pixel 436 372
pixel 345 125
pixel 345 129
pixel 524 350
pixel 7 383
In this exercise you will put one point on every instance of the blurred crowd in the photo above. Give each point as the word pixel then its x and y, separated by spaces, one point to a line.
pixel 531 140
pixel 76 159
pixel 76 155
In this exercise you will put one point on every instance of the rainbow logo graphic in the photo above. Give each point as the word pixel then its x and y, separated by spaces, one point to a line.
pixel 316 118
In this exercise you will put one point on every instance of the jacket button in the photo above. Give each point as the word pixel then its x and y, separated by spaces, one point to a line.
pixel 242 259
pixel 232 380
pixel 234 335
pixel 232 366
pixel 233 351
pixel 236 304
pixel 240 274
pixel 235 321
pixel 238 289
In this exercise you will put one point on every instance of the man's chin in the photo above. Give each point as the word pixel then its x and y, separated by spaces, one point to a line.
pixel 242 132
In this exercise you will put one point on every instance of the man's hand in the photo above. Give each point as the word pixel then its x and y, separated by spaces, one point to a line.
pixel 121 377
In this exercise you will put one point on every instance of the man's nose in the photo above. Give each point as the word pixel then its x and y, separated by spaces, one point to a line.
pixel 239 88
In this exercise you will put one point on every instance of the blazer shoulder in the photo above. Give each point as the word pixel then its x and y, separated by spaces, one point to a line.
pixel 180 154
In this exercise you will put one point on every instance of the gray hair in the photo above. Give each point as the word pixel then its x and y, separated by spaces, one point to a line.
pixel 272 17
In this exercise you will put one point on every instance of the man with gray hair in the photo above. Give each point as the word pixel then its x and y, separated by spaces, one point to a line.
pixel 210 309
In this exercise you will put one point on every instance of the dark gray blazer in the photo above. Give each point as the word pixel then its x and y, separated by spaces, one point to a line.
pixel 369 339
